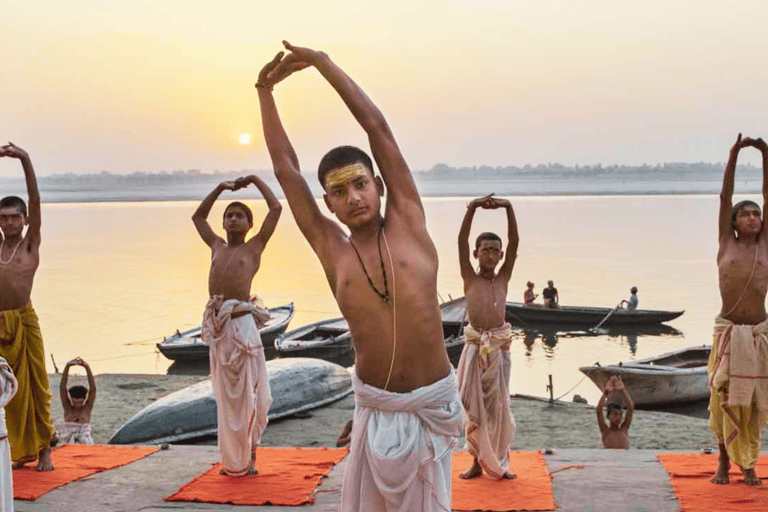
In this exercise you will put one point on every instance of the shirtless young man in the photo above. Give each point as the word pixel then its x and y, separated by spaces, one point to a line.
pixel 384 278
pixel 484 366
pixel 738 383
pixel 230 325
pixel 30 427
pixel 615 434
pixel 77 403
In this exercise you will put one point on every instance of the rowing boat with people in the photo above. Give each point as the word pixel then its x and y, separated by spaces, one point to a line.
pixel 522 315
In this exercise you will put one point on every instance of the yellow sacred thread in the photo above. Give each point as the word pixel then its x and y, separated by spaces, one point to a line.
pixel 344 174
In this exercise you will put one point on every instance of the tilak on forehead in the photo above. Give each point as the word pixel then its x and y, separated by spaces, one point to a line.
pixel 343 174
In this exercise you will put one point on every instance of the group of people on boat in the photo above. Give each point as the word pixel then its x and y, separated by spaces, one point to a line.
pixel 382 270
pixel 552 297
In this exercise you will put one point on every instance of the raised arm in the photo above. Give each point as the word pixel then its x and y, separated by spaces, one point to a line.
pixel 465 264
pixel 630 405
pixel 91 382
pixel 273 215
pixel 513 238
pixel 726 194
pixel 200 217
pixel 63 385
pixel 599 410
pixel 402 194
pixel 33 205
pixel 760 144
pixel 313 224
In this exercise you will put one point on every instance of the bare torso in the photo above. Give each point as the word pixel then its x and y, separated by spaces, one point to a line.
pixel 486 301
pixel 16 277
pixel 615 437
pixel 74 414
pixel 232 270
pixel 420 355
pixel 743 298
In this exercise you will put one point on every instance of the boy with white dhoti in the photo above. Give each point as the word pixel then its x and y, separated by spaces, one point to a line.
pixel 77 402
pixel 484 367
pixel 8 387
pixel 738 361
pixel 230 326
pixel 383 275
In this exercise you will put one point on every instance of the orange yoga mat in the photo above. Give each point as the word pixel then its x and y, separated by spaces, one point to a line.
pixel 691 475
pixel 287 476
pixel 73 462
pixel 531 490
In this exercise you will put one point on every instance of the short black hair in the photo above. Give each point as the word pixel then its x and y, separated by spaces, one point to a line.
pixel 341 157
pixel 740 206
pixel 487 236
pixel 633 289
pixel 238 204
pixel 78 391
pixel 610 407
pixel 14 201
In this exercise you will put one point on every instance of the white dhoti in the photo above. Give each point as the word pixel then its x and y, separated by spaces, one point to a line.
pixel 400 456
pixel 76 433
pixel 8 387
pixel 239 378
pixel 484 372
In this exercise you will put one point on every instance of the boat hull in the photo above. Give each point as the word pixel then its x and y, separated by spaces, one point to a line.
pixel 652 383
pixel 187 347
pixel 297 385
pixel 518 314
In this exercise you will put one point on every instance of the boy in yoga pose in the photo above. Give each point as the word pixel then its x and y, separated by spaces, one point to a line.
pixel 484 366
pixel 230 325
pixel 28 414
pixel 614 434
pixel 384 278
pixel 77 403
pixel 738 361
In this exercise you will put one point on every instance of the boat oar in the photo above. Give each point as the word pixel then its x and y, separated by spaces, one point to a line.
pixel 595 328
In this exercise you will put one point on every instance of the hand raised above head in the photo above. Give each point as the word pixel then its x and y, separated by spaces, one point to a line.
pixel 230 185
pixel 758 143
pixel 13 151
pixel 499 203
pixel 307 55
pixel 278 69
pixel 738 144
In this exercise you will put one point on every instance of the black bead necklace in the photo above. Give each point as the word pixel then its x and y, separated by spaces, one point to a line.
pixel 385 295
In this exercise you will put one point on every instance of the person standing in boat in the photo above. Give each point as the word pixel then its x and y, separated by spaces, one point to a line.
pixel 738 362
pixel 383 276
pixel 28 414
pixel 551 297
pixel 631 304
pixel 231 325
pixel 484 367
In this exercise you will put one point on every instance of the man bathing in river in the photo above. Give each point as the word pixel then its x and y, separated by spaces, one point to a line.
pixel 384 278
pixel 230 325
pixel 28 414
pixel 484 367
pixel 738 361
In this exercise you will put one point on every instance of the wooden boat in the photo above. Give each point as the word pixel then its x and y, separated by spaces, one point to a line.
pixel 671 378
pixel 524 316
pixel 187 347
pixel 297 385
pixel 331 340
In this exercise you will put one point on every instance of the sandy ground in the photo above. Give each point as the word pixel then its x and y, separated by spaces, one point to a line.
pixel 539 425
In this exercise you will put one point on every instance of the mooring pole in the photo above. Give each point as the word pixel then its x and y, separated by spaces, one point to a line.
pixel 551 390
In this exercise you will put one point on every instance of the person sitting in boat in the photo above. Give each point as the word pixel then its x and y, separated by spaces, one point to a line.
pixel 231 325
pixel 529 296
pixel 551 297
pixel 614 434
pixel 77 402
pixel 484 367
pixel 631 304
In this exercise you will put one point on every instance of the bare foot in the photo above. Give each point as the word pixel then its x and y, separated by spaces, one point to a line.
pixel 252 466
pixel 509 476
pixel 44 462
pixel 222 472
pixel 723 466
pixel 18 464
pixel 473 472
pixel 750 477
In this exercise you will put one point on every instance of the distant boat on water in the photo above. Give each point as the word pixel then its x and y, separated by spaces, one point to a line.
pixel 187 347
pixel 521 315
pixel 671 378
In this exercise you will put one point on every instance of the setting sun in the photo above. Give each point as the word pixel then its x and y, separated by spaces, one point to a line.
pixel 244 138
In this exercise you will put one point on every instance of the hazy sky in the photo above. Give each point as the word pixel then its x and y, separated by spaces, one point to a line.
pixel 168 84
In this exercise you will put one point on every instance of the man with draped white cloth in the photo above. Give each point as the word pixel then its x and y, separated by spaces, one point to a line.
pixel 738 361
pixel 8 387
pixel 383 275
pixel 231 325
pixel 484 367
